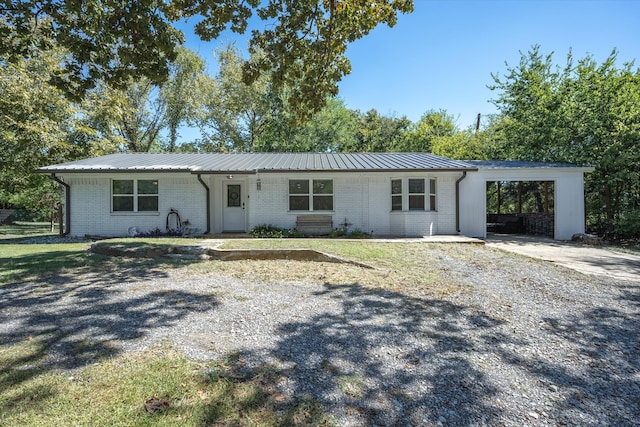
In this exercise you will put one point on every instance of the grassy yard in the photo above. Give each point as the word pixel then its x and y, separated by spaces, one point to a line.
pixel 161 386
pixel 25 229
pixel 156 387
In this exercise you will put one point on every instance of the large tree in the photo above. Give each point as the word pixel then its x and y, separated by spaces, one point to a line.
pixel 38 126
pixel 234 113
pixel 304 41
pixel 182 93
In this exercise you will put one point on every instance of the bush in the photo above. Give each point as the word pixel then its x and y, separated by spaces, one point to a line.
pixel 269 232
pixel 355 234
pixel 628 226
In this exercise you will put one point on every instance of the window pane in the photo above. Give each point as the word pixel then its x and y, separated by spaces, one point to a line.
pixel 396 203
pixel 432 186
pixel 322 203
pixel 122 186
pixel 416 186
pixel 123 203
pixel 298 203
pixel 233 196
pixel 416 203
pixel 148 203
pixel 396 186
pixel 147 186
pixel 298 186
pixel 432 200
pixel 322 186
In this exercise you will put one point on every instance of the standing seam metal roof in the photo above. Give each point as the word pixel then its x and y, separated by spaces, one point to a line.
pixel 261 162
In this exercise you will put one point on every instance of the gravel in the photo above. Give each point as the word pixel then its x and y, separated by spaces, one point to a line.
pixel 527 343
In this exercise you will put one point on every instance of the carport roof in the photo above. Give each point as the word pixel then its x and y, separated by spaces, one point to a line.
pixel 261 162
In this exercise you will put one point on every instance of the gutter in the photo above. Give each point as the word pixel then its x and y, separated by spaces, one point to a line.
pixel 464 175
pixel 67 202
pixel 208 204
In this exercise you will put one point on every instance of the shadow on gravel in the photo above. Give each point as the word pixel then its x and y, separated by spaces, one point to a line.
pixel 609 340
pixel 390 359
pixel 70 322
pixel 386 358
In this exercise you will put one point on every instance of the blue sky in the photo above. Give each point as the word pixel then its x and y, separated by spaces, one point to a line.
pixel 442 55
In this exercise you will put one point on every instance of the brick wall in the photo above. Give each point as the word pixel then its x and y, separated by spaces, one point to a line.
pixel 91 205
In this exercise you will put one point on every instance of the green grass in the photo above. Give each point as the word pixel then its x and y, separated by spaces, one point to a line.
pixel 398 267
pixel 122 391
pixel 20 230
pixel 113 390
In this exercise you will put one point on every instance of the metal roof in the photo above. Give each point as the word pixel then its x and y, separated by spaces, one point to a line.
pixel 261 162
pixel 519 164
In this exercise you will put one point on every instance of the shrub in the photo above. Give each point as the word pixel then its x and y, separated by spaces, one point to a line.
pixel 355 234
pixel 269 231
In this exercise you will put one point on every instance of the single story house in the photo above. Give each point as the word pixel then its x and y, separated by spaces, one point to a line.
pixel 386 194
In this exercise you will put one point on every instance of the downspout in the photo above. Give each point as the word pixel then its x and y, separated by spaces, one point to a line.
pixel 464 175
pixel 67 202
pixel 208 204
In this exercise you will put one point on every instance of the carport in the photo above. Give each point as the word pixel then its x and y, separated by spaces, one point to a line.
pixel 564 182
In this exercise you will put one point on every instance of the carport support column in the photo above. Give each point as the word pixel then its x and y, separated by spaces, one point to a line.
pixel 208 203
pixel 568 206
pixel 67 203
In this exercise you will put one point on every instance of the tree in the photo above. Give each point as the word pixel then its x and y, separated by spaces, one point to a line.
pixel 131 117
pixel 234 113
pixel 432 125
pixel 328 130
pixel 110 40
pixel 35 120
pixel 377 133
pixel 181 94
pixel 38 126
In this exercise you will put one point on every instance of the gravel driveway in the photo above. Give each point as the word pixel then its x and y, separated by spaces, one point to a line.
pixel 527 342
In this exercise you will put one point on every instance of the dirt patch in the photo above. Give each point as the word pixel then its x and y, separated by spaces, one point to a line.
pixel 207 253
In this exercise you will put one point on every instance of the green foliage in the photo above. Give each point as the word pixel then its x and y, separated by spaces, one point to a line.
pixel 377 133
pixel 269 231
pixel 345 233
pixel 181 93
pixel 627 226
pixel 328 130
pixel 433 125
pixel 304 42
pixel 234 112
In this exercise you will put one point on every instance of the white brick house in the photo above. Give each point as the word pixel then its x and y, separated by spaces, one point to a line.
pixel 398 194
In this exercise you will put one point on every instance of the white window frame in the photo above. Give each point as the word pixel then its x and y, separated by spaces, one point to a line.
pixel 400 195
pixel 433 194
pixel 430 197
pixel 422 194
pixel 310 195
pixel 135 195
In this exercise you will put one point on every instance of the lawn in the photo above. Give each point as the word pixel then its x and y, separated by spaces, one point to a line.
pixel 155 387
pixel 161 386
pixel 21 229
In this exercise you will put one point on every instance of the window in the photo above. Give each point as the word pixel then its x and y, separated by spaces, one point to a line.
pixel 311 195
pixel 416 194
pixel 432 194
pixel 396 194
pixel 413 194
pixel 130 195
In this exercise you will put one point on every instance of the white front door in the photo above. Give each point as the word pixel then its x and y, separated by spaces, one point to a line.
pixel 234 207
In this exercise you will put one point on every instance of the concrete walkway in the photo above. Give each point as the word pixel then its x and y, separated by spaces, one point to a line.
pixel 584 258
